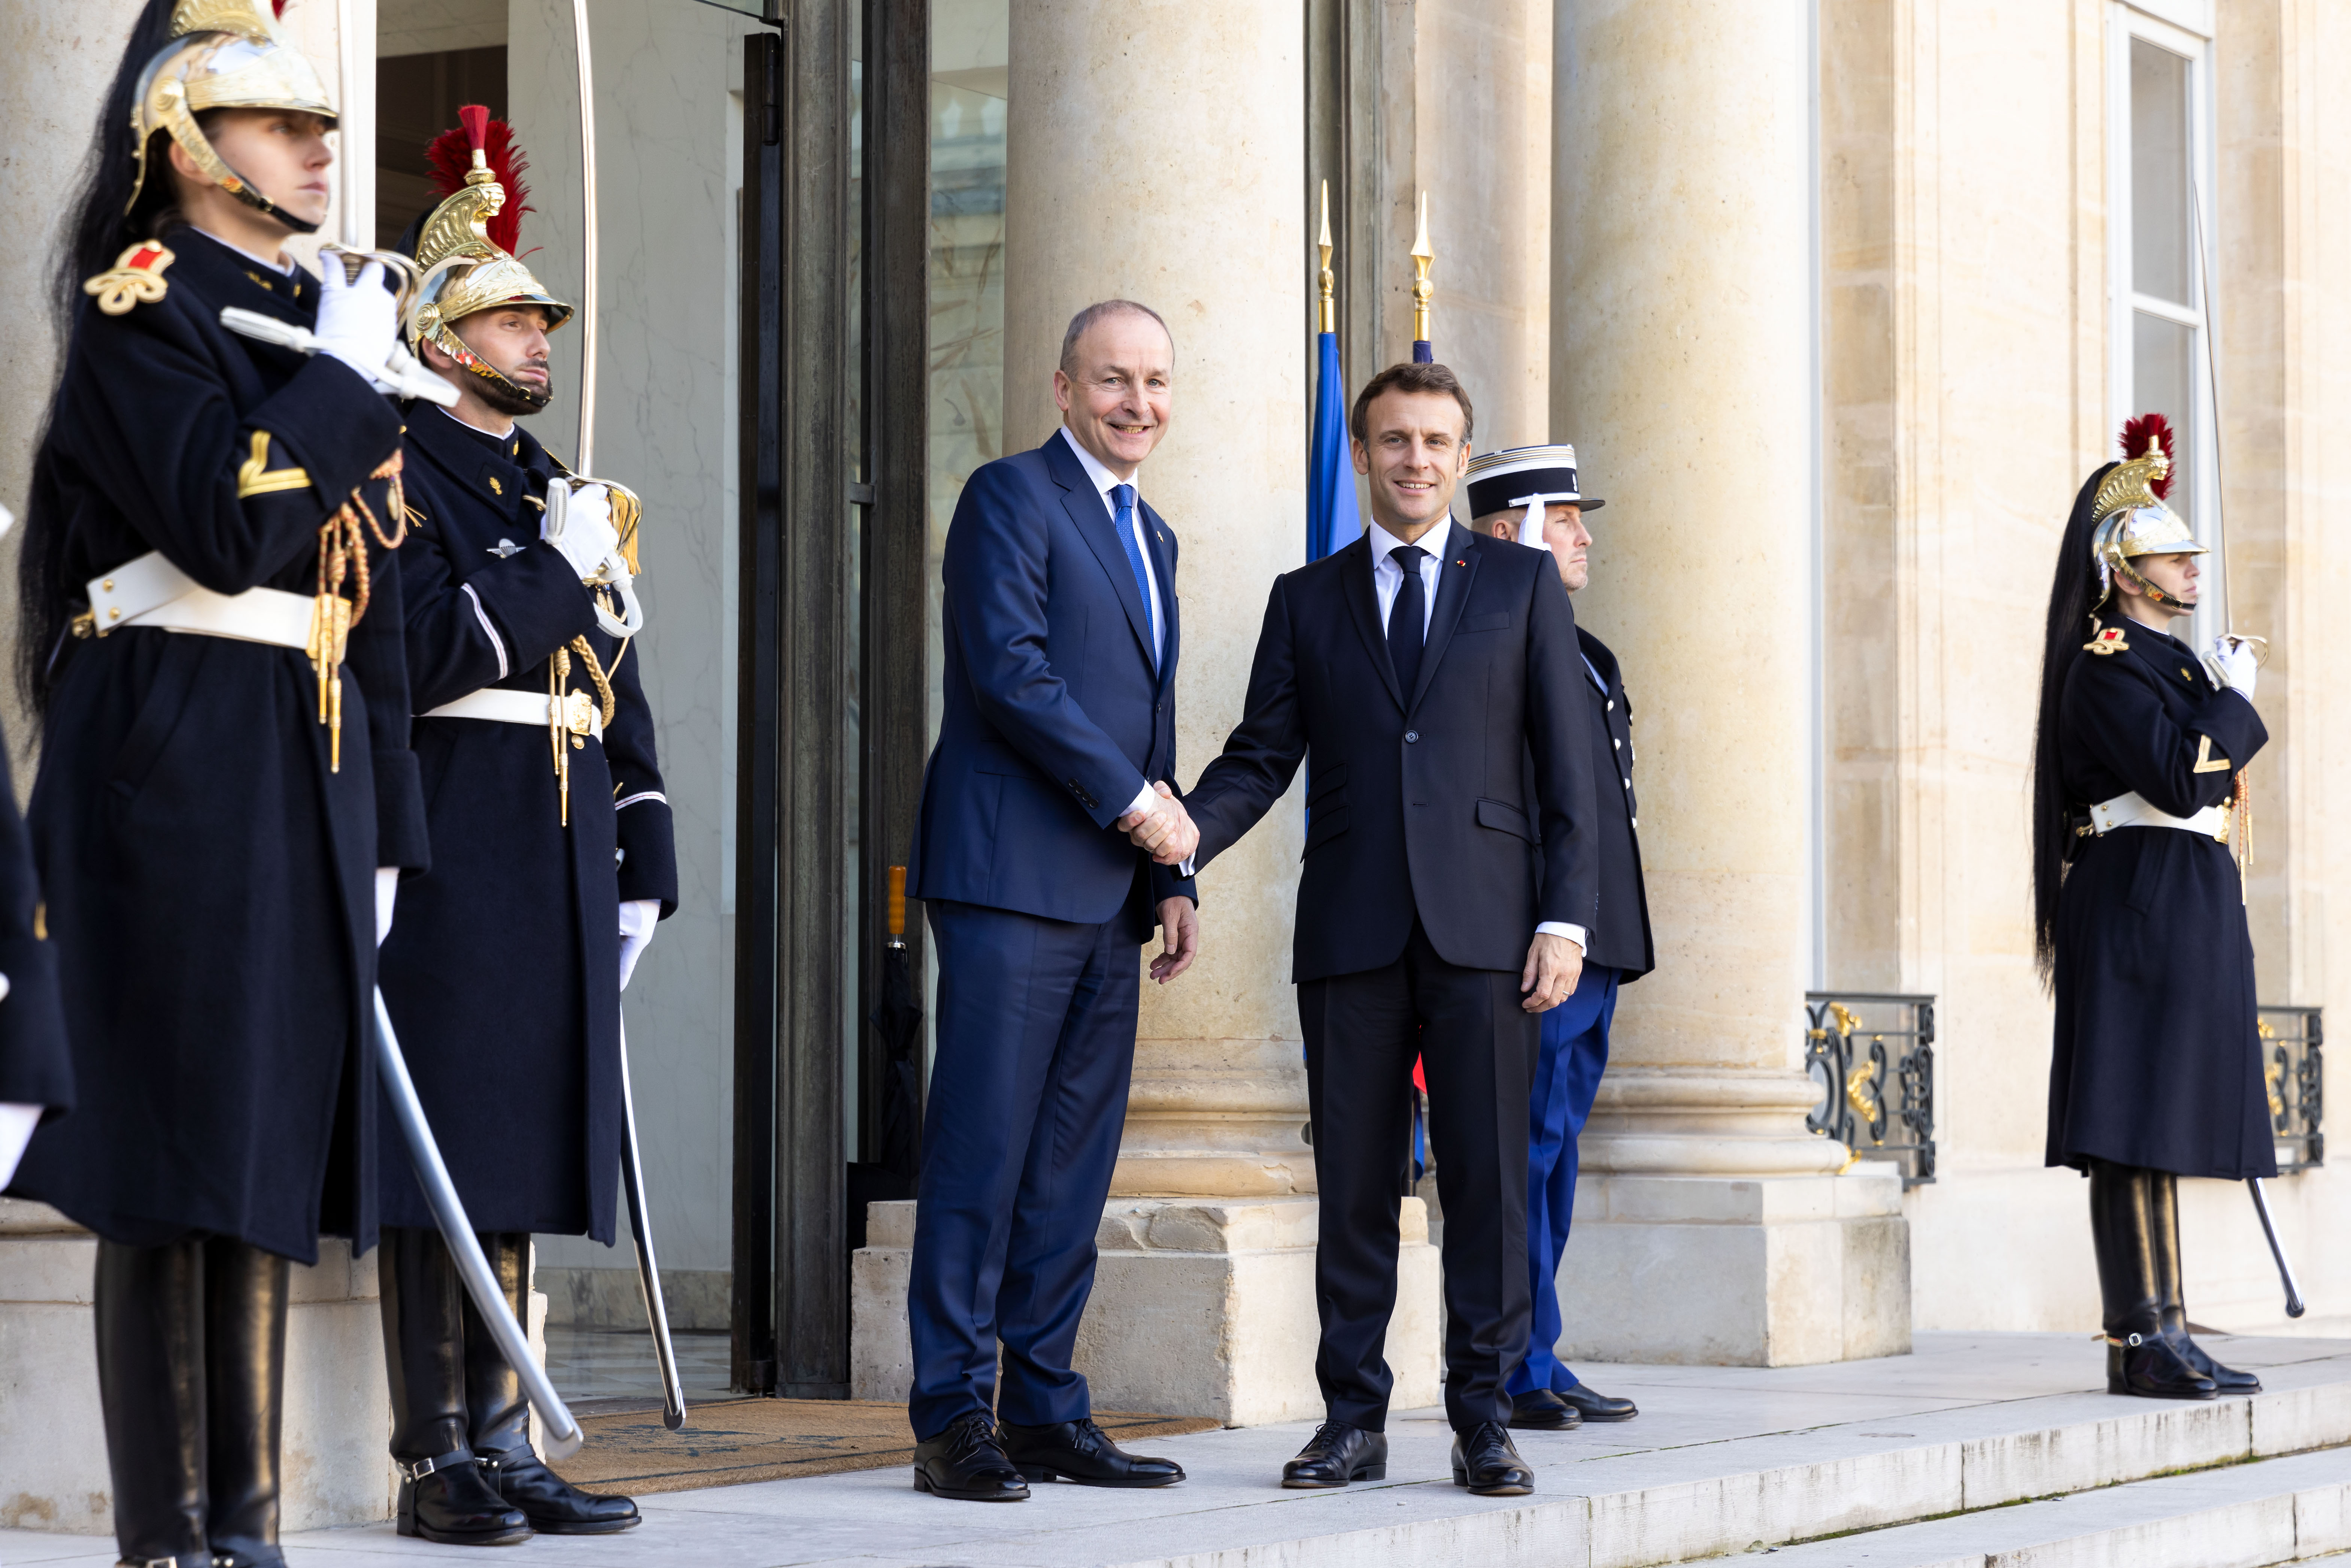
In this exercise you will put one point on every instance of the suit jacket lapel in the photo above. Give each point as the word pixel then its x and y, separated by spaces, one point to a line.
pixel 1084 504
pixel 1452 592
pixel 1356 574
pixel 1163 565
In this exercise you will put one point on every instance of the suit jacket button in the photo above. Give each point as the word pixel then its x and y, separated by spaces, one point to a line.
pixel 1412 735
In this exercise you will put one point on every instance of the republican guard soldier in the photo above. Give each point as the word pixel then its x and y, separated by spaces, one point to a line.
pixel 210 637
pixel 2139 909
pixel 1533 494
pixel 36 1073
pixel 553 861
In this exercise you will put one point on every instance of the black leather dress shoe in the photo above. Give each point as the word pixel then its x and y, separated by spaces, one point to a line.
pixel 966 1462
pixel 2152 1369
pixel 1081 1451
pixel 553 1505
pixel 2225 1379
pixel 1335 1455
pixel 1540 1410
pixel 1485 1462
pixel 1594 1406
pixel 448 1499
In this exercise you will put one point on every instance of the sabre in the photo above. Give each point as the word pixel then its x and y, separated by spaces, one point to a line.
pixel 2293 1304
pixel 632 1170
pixel 587 240
pixel 563 1433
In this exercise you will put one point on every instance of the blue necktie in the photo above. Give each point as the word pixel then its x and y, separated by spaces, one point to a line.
pixel 1405 618
pixel 1124 495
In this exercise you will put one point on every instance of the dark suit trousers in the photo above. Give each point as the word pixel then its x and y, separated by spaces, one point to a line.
pixel 1036 1043
pixel 1479 1049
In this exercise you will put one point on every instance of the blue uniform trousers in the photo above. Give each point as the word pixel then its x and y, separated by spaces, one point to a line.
pixel 1567 1078
pixel 1036 1043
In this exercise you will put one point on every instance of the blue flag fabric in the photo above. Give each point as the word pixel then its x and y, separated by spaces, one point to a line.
pixel 1332 521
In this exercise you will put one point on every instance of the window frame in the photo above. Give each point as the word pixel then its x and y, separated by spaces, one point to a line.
pixel 2127 24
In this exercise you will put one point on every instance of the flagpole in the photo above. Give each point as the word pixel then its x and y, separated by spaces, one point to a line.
pixel 587 446
pixel 1423 292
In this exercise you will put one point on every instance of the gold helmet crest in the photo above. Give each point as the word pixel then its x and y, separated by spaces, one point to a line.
pixel 222 54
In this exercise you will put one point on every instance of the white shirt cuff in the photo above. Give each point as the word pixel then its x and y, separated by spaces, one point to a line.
pixel 1574 934
pixel 1143 804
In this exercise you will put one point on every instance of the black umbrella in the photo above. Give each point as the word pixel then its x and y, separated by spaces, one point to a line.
pixel 899 1017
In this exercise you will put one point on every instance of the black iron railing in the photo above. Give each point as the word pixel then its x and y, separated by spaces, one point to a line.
pixel 2293 1066
pixel 1872 1055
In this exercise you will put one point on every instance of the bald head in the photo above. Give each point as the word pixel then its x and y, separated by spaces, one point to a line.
pixel 1115 381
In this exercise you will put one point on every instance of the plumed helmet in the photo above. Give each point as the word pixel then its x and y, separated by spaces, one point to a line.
pixel 2129 518
pixel 223 54
pixel 466 247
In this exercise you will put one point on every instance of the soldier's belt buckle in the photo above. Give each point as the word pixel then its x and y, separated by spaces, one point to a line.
pixel 579 713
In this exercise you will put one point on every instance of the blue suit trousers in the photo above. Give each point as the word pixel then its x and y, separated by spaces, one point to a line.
pixel 1036 1044
pixel 1567 1079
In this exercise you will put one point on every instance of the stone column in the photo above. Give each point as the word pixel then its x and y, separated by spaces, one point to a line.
pixel 1157 155
pixel 1711 1227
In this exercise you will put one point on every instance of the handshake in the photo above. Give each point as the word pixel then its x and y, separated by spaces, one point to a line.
pixel 1164 827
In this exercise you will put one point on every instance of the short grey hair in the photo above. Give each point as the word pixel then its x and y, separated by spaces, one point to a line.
pixel 1084 322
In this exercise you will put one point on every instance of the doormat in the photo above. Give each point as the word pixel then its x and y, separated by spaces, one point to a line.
pixel 730 1442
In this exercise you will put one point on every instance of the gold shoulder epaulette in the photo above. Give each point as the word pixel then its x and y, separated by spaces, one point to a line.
pixel 2109 640
pixel 136 277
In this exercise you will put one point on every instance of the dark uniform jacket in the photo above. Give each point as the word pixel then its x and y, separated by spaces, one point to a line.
pixel 2158 1062
pixel 34 1067
pixel 1619 926
pixel 1417 802
pixel 502 970
pixel 210 881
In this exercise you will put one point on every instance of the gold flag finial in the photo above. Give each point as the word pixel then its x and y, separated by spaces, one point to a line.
pixel 1329 283
pixel 1423 290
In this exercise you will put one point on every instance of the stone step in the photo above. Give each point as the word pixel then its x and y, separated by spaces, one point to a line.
pixel 2242 1516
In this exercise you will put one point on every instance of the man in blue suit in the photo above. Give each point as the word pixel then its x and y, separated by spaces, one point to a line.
pixel 1047 848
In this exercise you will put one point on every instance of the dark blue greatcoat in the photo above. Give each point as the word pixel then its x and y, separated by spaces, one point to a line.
pixel 502 971
pixel 210 881
pixel 35 1068
pixel 2157 1062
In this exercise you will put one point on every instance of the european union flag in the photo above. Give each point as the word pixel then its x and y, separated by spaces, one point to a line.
pixel 1331 519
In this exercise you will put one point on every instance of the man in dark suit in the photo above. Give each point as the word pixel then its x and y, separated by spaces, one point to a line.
pixel 1414 673
pixel 1533 495
pixel 1062 636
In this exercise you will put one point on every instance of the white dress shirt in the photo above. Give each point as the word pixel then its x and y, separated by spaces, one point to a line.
pixel 1104 481
pixel 1388 581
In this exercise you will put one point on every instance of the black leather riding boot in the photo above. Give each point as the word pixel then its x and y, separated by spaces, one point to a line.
pixel 245 1400
pixel 501 1417
pixel 151 1387
pixel 2163 1204
pixel 2139 1360
pixel 444 1496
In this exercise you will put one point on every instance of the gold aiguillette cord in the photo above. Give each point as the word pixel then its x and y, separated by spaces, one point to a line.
pixel 342 554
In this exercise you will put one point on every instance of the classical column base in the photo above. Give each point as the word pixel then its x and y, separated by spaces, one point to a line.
pixel 1727 1270
pixel 1200 1307
pixel 53 1438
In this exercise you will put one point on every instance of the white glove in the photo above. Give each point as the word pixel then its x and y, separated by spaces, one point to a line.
pixel 588 539
pixel 387 888
pixel 16 1124
pixel 638 918
pixel 2234 661
pixel 359 322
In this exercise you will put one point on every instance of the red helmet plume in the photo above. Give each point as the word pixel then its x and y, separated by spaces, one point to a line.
pixel 452 155
pixel 2135 435
pixel 277 8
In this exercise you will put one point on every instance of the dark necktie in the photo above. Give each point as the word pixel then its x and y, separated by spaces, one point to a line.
pixel 1407 619
pixel 1122 498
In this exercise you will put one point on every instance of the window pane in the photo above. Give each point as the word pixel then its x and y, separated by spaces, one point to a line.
pixel 2159 213
pixel 2163 369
